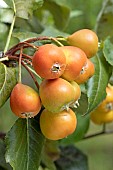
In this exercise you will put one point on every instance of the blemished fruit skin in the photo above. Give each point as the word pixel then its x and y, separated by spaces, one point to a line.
pixel 55 126
pixel 57 94
pixel 75 60
pixel 101 117
pixel 86 73
pixel 49 61
pixel 24 101
pixel 85 39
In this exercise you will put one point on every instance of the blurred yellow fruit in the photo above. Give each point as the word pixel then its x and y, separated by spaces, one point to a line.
pixel 101 117
pixel 107 104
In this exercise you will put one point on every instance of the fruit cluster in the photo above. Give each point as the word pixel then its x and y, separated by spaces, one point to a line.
pixel 62 69
pixel 104 112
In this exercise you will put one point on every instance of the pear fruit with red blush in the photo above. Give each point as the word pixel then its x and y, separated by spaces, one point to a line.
pixel 24 101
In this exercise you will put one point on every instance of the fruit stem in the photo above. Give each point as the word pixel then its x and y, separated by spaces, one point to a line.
pixel 27 56
pixel 56 40
pixel 33 77
pixel 20 60
pixel 34 72
pixel 30 45
pixel 11 29
pixel 62 38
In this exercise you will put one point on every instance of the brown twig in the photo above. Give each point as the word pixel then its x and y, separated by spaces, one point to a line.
pixel 31 45
pixel 32 75
pixel 13 50
pixel 32 40
pixel 94 135
pixel 28 62
pixel 27 56
pixel 98 134
pixel 103 132
pixel 25 44
pixel 24 65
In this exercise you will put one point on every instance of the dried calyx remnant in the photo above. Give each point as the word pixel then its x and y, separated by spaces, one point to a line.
pixel 56 68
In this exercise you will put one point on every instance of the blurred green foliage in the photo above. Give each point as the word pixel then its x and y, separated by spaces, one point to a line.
pixel 64 15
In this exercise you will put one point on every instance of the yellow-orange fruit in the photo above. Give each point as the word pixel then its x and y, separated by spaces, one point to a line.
pixel 24 101
pixel 59 125
pixel 85 39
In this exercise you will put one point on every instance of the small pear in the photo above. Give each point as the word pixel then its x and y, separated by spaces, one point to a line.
pixel 24 101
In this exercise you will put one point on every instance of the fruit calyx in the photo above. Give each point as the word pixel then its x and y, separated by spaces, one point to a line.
pixel 27 114
pixel 109 106
pixel 66 106
pixel 56 68
pixel 75 104
pixel 83 68
pixel 72 104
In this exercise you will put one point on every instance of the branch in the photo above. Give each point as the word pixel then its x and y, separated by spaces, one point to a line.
pixel 103 132
pixel 94 135
pixel 27 44
pixel 27 56
pixel 32 75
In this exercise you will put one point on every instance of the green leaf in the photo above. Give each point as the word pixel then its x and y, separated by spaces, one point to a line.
pixel 60 13
pixel 47 161
pixel 51 31
pixel 24 8
pixel 7 82
pixel 67 3
pixel 3 164
pixel 9 3
pixel 87 14
pixel 3 32
pixel 71 159
pixel 23 36
pixel 50 153
pixel 24 145
pixel 96 86
pixel 83 104
pixel 108 51
pixel 104 25
pixel 6 15
pixel 82 127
